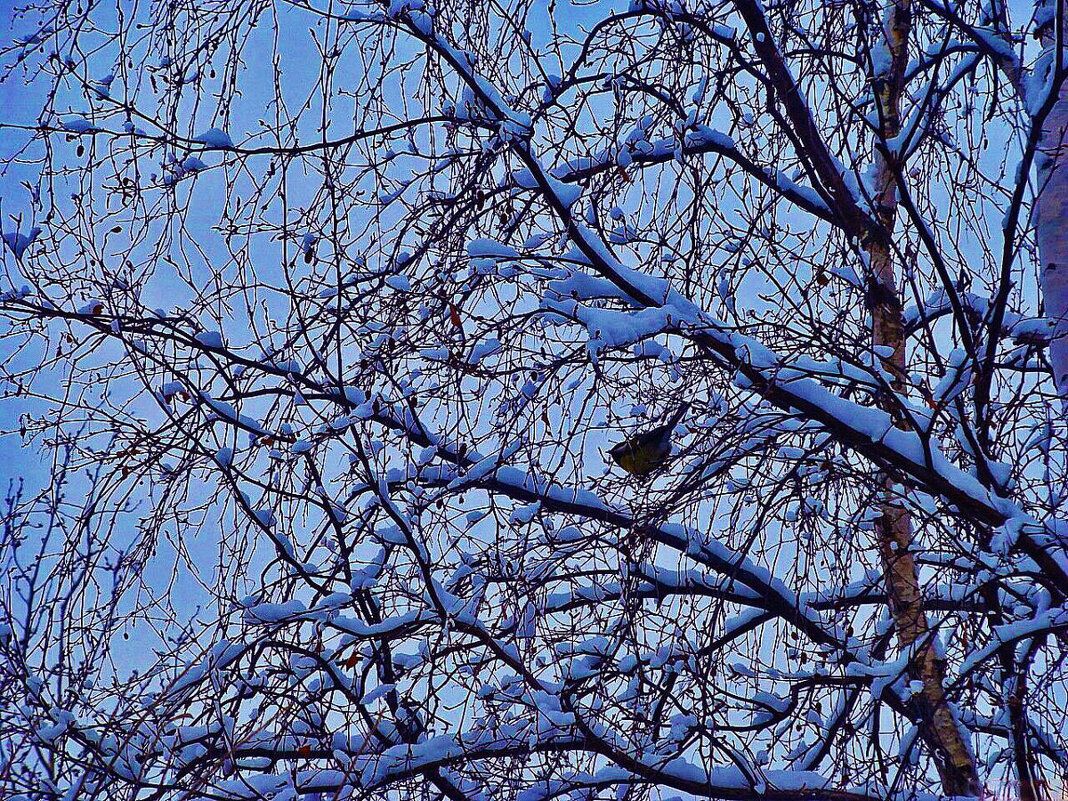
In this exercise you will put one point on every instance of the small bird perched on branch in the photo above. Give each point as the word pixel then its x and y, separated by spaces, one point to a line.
pixel 647 451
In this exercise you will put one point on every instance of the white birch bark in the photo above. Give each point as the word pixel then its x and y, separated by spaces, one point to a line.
pixel 1051 213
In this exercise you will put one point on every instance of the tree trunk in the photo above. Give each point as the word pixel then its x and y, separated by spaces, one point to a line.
pixel 1051 212
pixel 940 730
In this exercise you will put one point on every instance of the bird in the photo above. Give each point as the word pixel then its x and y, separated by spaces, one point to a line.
pixel 647 451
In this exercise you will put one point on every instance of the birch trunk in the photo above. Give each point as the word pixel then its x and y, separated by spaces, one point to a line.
pixel 894 531
pixel 1051 214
